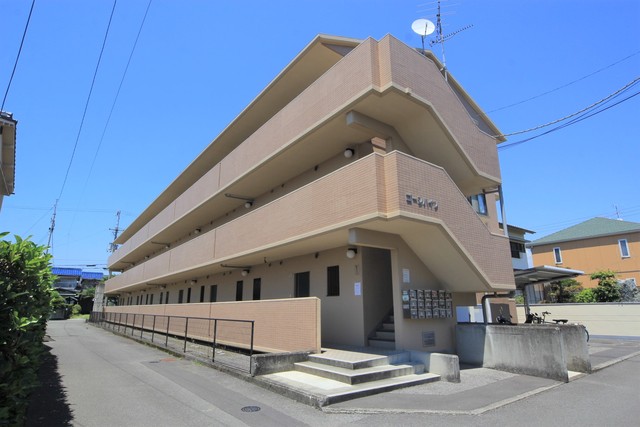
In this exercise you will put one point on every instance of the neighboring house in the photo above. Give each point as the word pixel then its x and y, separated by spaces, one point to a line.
pixel 593 245
pixel 7 154
pixel 349 179
pixel 520 260
pixel 71 281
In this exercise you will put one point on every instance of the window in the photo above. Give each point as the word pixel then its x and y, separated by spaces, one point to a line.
pixel 302 285
pixel 239 290
pixel 151 299
pixel 180 296
pixel 557 255
pixel 479 204
pixel 624 248
pixel 137 299
pixel 333 281
pixel 146 299
pixel 188 295
pixel 166 301
pixel 257 284
pixel 516 249
pixel 160 298
pixel 213 293
pixel 202 293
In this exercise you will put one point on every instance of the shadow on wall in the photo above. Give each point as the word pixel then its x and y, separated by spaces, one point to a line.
pixel 48 404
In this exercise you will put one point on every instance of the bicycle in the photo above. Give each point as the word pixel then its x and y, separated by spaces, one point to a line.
pixel 534 318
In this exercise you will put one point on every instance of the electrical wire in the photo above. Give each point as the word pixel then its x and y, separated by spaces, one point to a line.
pixel 86 106
pixel 15 65
pixel 595 104
pixel 576 120
pixel 104 131
pixel 565 85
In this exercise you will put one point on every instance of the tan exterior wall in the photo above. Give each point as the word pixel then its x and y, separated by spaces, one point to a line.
pixel 308 198
pixel 332 202
pixel 280 325
pixel 407 68
pixel 591 255
pixel 609 319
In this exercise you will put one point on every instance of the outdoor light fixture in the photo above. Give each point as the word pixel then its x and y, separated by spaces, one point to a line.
pixel 248 200
pixel 244 273
pixel 197 230
pixel 351 253
pixel 193 282
pixel 349 152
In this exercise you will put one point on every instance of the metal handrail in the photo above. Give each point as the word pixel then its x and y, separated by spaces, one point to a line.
pixel 114 319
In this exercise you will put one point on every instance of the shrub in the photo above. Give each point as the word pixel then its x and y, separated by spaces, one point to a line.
pixel 607 289
pixel 563 290
pixel 25 305
pixel 586 296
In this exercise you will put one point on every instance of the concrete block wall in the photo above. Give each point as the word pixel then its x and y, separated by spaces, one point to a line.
pixel 540 350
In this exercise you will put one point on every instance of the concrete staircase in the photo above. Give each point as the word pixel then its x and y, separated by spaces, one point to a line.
pixel 385 335
pixel 338 375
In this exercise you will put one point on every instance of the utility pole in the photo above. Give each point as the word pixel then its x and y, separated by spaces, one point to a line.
pixel 113 246
pixel 52 226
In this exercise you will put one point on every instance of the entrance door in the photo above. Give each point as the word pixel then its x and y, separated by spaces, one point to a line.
pixel 302 285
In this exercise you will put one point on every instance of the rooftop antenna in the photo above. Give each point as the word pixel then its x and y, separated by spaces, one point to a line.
pixel 420 27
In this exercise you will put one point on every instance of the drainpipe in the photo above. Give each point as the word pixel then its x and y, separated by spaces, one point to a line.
pixel 484 307
pixel 504 212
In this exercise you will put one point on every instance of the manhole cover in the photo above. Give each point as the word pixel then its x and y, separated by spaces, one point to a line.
pixel 250 409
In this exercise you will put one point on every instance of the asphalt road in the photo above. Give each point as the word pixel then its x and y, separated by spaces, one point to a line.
pixel 95 378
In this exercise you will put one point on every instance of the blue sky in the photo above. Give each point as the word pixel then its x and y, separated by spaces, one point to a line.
pixel 198 63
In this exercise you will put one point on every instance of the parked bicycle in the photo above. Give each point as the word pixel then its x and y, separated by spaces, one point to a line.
pixel 534 318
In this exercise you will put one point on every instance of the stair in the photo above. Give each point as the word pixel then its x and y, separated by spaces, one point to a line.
pixel 385 335
pixel 338 375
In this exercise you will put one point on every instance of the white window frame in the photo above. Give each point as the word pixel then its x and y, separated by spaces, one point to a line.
pixel 557 255
pixel 624 245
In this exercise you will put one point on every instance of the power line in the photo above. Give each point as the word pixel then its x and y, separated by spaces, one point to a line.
pixel 104 131
pixel 86 106
pixel 562 126
pixel 15 65
pixel 625 87
pixel 565 85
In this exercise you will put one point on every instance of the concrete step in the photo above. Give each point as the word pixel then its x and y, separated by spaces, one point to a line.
pixel 320 391
pixel 385 335
pixel 382 343
pixel 391 319
pixel 347 362
pixel 357 376
pixel 386 326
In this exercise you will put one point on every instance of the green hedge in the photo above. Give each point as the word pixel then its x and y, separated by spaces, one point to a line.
pixel 25 305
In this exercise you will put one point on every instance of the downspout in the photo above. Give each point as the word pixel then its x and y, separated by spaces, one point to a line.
pixel 504 211
pixel 484 307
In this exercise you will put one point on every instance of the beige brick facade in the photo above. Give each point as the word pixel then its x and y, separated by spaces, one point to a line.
pixel 420 146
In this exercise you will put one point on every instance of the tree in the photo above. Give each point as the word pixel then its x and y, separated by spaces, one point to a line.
pixel 607 289
pixel 25 305
pixel 563 291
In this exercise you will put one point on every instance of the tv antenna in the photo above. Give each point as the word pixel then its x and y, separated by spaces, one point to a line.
pixel 424 27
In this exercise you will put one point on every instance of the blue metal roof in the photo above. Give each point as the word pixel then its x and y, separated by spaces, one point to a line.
pixel 90 275
pixel 58 271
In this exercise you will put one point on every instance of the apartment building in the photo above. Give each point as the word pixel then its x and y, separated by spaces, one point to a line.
pixel 356 178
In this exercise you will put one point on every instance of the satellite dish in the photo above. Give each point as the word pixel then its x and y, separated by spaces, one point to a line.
pixel 423 27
